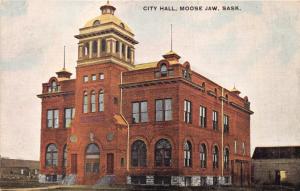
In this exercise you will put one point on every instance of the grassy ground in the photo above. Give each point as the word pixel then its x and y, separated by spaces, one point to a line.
pixel 34 185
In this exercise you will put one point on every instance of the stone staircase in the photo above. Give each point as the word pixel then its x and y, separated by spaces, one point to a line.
pixel 106 180
pixel 69 180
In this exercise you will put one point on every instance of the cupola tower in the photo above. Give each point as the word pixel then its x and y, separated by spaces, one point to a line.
pixel 106 39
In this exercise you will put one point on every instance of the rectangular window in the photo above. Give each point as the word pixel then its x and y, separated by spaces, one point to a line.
pixel 159 110
pixel 226 179
pixel 168 109
pixel 94 77
pixel 163 110
pixel 139 112
pixel 93 102
pixel 135 113
pixel 101 100
pixel 101 76
pixel 144 111
pixel 202 117
pixel 85 103
pixel 243 148
pixel 215 180
pixel 203 180
pixel 52 118
pixel 69 115
pixel 85 78
pixel 187 111
pixel 235 147
pixel 215 120
pixel 226 124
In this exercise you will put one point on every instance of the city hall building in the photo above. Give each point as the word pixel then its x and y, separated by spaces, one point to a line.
pixel 151 123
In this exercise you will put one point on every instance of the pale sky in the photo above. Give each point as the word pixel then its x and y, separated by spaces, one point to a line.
pixel 256 48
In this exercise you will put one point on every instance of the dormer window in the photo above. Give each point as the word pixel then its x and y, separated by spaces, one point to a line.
pixel 53 87
pixel 96 23
pixel 186 74
pixel 163 70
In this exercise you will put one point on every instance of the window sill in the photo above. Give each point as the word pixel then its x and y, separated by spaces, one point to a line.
pixel 54 129
pixel 138 167
pixel 140 123
pixel 163 167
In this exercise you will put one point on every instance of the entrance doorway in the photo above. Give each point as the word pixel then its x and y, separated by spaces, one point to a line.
pixel 110 163
pixel 74 163
pixel 277 177
pixel 240 172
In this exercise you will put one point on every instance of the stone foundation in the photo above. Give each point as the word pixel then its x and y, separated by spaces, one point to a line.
pixel 184 181
pixel 43 178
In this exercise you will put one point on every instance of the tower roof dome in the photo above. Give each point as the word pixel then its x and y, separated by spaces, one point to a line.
pixel 107 17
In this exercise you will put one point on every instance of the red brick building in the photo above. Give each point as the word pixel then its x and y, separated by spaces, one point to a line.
pixel 152 123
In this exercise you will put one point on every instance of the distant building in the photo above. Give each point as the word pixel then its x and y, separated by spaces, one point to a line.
pixel 153 123
pixel 18 169
pixel 276 165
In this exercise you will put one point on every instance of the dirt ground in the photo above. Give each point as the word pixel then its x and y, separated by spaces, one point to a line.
pixel 34 185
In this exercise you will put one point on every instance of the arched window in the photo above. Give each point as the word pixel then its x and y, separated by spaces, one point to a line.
pixel 53 86
pixel 96 23
pixel 226 158
pixel 203 156
pixel 122 25
pixel 117 46
pixel 187 154
pixel 85 102
pixel 163 153
pixel 86 49
pixel 101 100
pixel 51 155
pixel 138 153
pixel 103 45
pixel 215 157
pixel 95 47
pixel 93 101
pixel 163 70
pixel 65 154
pixel 92 156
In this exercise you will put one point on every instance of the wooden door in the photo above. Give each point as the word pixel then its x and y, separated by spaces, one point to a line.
pixel 110 163
pixel 74 163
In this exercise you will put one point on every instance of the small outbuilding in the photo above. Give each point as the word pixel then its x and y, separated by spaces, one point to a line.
pixel 276 165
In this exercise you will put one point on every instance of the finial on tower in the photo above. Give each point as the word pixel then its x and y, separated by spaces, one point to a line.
pixel 107 9
pixel 234 90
